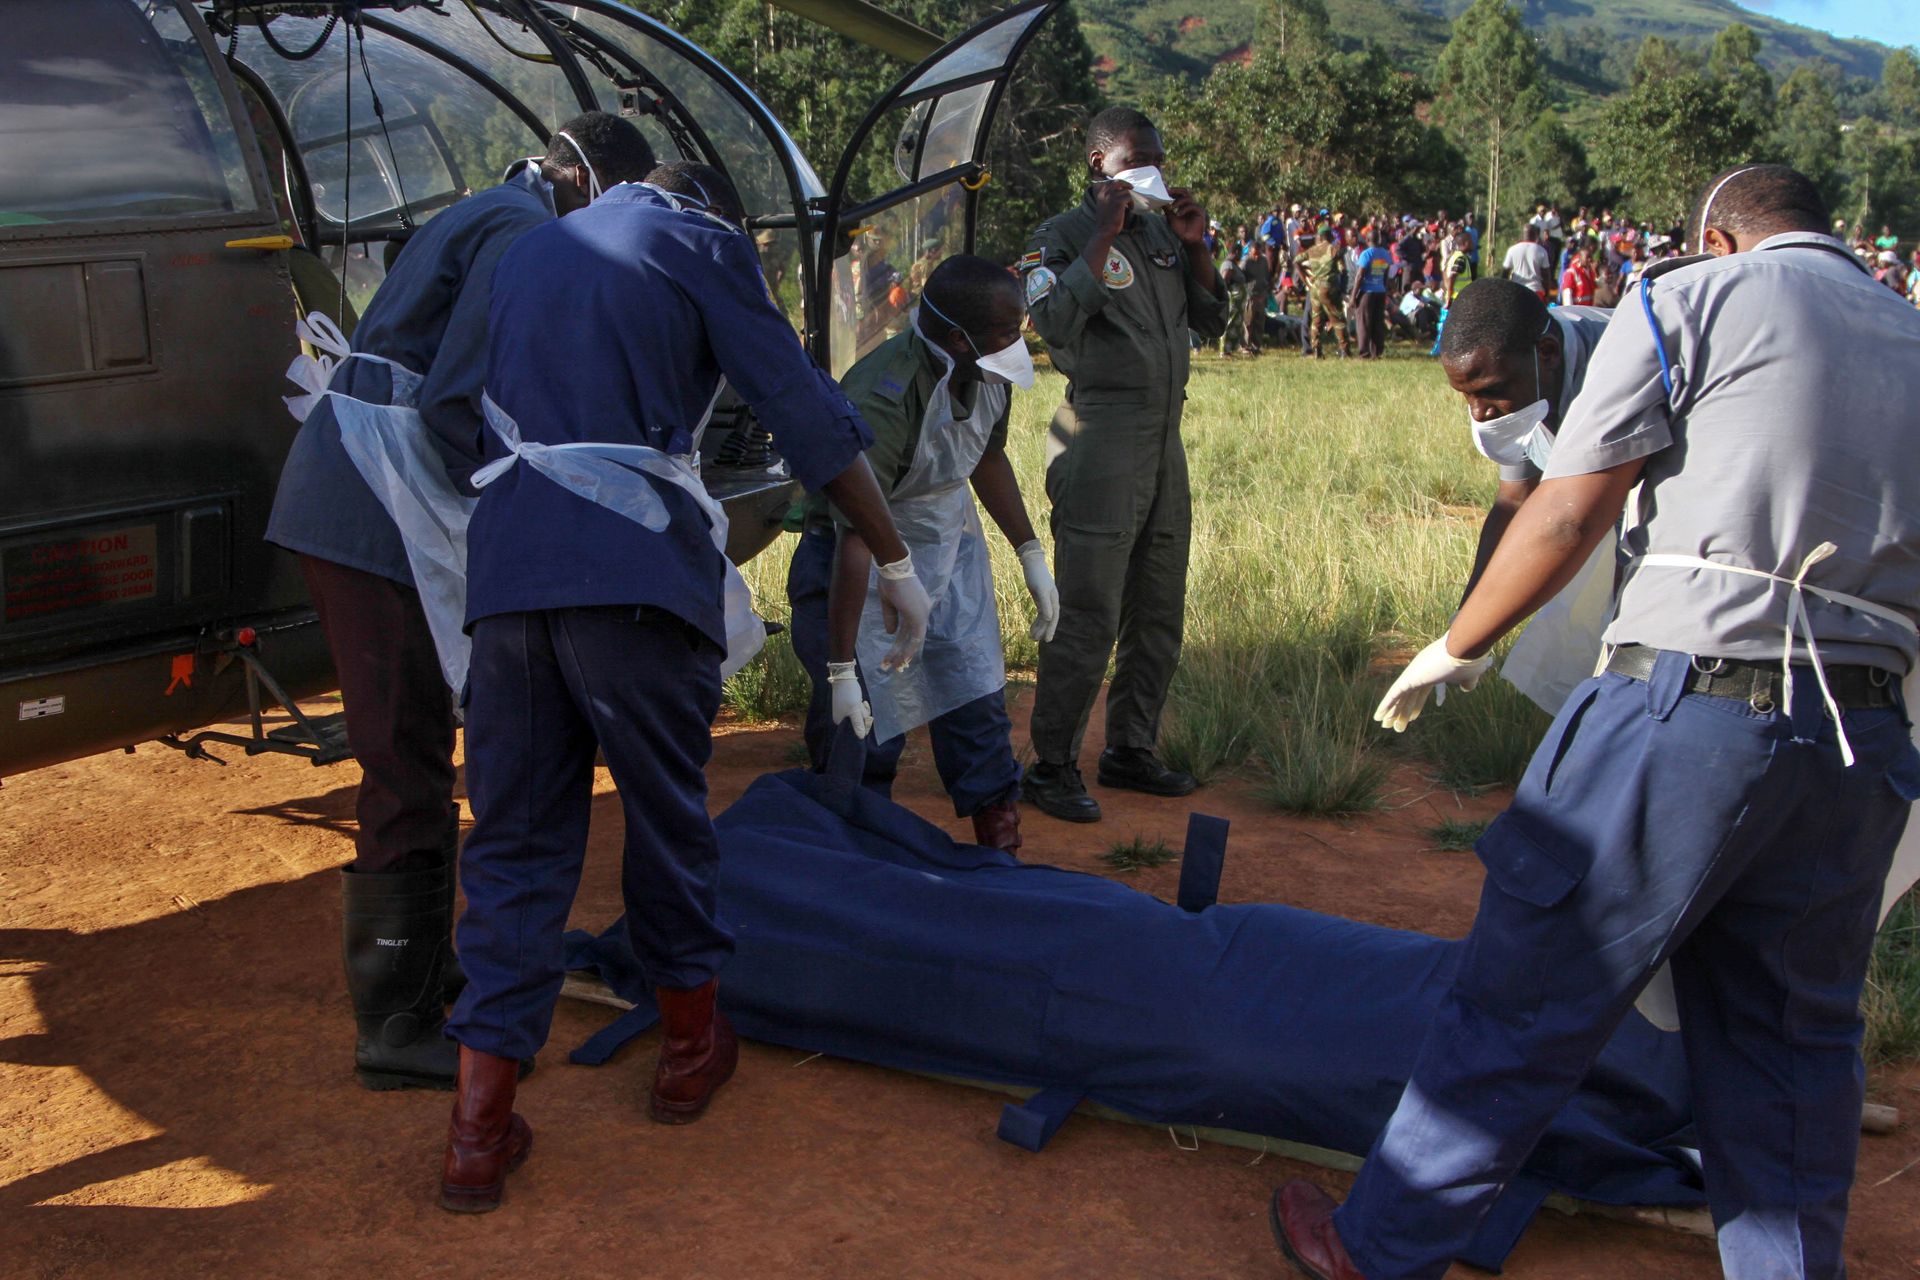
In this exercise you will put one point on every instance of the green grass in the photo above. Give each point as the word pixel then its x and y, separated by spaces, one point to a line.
pixel 1138 854
pixel 1455 835
pixel 1892 1000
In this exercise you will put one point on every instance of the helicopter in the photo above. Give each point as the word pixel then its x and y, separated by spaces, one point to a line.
pixel 182 180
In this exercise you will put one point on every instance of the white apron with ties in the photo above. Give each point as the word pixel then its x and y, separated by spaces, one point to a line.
pixel 933 509
pixel 392 449
pixel 1658 1003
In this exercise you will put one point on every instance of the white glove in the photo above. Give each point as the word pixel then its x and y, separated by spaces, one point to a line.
pixel 1040 585
pixel 904 608
pixel 1432 669
pixel 843 682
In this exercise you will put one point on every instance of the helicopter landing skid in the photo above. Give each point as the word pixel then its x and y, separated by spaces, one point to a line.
pixel 320 739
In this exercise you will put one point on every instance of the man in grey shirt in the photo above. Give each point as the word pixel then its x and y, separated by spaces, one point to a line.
pixel 1725 797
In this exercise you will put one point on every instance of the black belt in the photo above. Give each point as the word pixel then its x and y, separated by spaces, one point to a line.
pixel 1758 683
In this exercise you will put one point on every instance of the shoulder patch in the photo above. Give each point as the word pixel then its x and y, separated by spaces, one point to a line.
pixel 1119 272
pixel 1040 283
pixel 890 388
pixel 1658 269
pixel 1028 261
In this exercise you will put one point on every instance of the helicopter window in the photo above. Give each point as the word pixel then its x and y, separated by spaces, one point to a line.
pixel 107 114
pixel 750 155
pixel 439 134
pixel 986 52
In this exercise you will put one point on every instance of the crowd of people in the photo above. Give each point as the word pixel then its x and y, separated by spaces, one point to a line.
pixel 1381 273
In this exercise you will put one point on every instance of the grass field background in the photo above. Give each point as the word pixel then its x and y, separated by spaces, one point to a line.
pixel 1336 507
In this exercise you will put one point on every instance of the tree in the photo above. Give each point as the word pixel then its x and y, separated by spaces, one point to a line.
pixel 1807 135
pixel 1549 163
pixel 1661 59
pixel 1666 137
pixel 1294 28
pixel 1900 86
pixel 1735 63
pixel 1489 78
pixel 1340 128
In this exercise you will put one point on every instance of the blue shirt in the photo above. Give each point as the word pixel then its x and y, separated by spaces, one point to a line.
pixel 1270 230
pixel 430 315
pixel 1375 264
pixel 614 325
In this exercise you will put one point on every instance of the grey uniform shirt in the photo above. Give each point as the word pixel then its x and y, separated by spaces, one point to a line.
pixel 1791 423
pixel 1580 330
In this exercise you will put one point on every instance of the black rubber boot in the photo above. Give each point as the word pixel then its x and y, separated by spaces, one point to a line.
pixel 453 978
pixel 1057 791
pixel 395 937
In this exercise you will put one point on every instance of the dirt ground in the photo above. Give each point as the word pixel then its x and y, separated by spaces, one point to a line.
pixel 176 1096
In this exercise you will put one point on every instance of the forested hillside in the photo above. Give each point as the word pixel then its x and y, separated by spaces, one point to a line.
pixel 1588 46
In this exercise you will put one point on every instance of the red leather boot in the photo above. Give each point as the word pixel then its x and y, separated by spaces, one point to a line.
pixel 997 826
pixel 697 1056
pixel 487 1139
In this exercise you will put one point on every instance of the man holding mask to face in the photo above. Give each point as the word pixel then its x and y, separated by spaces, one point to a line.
pixel 1114 286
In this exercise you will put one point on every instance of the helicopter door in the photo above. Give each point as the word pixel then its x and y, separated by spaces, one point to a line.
pixel 907 191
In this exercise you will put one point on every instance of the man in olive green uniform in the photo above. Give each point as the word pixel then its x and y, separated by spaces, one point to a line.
pixel 1323 267
pixel 1114 287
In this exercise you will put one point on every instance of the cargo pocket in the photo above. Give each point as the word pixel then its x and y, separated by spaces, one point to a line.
pixel 1094 469
pixel 1504 970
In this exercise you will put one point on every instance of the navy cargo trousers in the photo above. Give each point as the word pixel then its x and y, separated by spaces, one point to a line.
pixel 1653 825
pixel 547 690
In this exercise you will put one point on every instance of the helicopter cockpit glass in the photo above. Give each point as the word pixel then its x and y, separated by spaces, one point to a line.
pixel 905 191
pixel 686 112
pixel 149 118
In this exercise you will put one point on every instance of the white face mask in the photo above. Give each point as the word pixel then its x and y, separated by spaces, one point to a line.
pixel 1011 364
pixel 593 179
pixel 1520 436
pixel 1149 187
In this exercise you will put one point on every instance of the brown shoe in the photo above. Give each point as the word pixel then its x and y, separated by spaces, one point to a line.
pixel 486 1140
pixel 998 826
pixel 1302 1218
pixel 697 1056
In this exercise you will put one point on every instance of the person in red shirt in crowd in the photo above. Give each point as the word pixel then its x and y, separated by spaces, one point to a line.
pixel 1577 283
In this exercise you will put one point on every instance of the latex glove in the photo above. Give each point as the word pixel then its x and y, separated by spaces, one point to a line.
pixel 1431 670
pixel 1043 589
pixel 849 705
pixel 904 608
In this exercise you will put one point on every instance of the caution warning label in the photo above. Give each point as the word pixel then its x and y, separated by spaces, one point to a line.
pixel 66 572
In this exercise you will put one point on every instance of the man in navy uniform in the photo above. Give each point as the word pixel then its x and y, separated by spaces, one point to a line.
pixel 1728 795
pixel 597 603
pixel 429 319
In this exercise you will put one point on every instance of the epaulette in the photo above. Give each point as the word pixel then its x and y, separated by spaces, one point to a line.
pixel 1661 268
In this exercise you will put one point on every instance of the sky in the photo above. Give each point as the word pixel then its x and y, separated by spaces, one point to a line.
pixel 1895 22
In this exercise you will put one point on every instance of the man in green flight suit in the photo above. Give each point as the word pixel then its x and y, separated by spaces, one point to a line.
pixel 1114 287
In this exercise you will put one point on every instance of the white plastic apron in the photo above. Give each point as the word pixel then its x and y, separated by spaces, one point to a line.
pixel 391 447
pixel 934 512
pixel 608 475
pixel 1658 1003
pixel 1560 647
